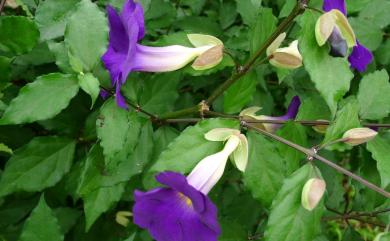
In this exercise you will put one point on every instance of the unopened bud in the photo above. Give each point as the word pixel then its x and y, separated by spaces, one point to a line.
pixel 320 128
pixel 122 218
pixel 358 136
pixel 288 58
pixel 209 59
pixel 312 193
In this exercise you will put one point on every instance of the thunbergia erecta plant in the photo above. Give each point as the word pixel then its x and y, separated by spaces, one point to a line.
pixel 292 111
pixel 341 36
pixel 125 54
pixel 182 211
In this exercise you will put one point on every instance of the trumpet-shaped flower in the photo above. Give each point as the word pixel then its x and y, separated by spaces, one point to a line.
pixel 292 110
pixel 177 212
pixel 182 211
pixel 125 54
pixel 333 27
pixel 288 57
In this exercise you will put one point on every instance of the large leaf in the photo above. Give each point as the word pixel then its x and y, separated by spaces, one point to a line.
pixel 18 34
pixel 296 133
pixel 38 165
pixel 240 93
pixel 347 118
pixel 41 225
pixel 368 34
pixel 190 147
pixel 5 70
pixel 288 220
pixel 42 99
pixel 265 172
pixel 51 17
pixel 330 75
pixel 377 12
pixel 374 95
pixel 90 84
pixel 86 34
pixel 379 148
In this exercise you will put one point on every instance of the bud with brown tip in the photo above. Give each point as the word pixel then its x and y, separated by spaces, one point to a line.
pixel 359 136
pixel 312 193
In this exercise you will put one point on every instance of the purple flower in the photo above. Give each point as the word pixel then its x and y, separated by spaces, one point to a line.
pixel 178 212
pixel 125 55
pixel 360 56
pixel 291 113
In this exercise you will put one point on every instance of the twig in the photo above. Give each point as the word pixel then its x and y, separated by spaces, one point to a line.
pixel 312 154
pixel 2 3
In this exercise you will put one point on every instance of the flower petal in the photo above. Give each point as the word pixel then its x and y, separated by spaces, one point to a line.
pixel 360 58
pixel 201 40
pixel 276 44
pixel 119 41
pixel 335 4
pixel 221 134
pixel 240 155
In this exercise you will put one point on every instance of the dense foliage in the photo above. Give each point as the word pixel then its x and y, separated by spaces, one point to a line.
pixel 70 160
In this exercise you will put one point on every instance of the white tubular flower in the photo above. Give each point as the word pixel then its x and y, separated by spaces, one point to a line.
pixel 209 170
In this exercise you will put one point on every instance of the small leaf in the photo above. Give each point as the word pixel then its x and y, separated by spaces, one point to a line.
pixel 248 10
pixel 374 95
pixel 86 34
pixel 288 220
pixel 240 93
pixel 41 225
pixel 90 84
pixel 261 29
pixel 379 148
pixel 265 172
pixel 347 118
pixel 18 34
pixel 38 165
pixel 51 17
pixel 4 148
pixel 42 99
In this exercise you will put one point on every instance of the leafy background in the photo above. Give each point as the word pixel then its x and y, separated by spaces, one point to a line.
pixel 70 161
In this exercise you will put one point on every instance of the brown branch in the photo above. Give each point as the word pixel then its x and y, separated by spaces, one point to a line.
pixel 313 154
pixel 2 4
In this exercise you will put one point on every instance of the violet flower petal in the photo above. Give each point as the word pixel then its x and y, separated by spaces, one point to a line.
pixel 360 58
pixel 169 214
pixel 292 109
pixel 335 4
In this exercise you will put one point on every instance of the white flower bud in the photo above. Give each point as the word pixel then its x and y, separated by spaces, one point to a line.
pixel 312 193
pixel 358 136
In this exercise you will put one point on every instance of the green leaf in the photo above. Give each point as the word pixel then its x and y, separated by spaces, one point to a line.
pixel 112 127
pixel 379 148
pixel 4 148
pixel 265 172
pixel 288 220
pixel 248 9
pixel 66 217
pixel 51 17
pixel 86 34
pixel 374 95
pixel 38 165
pixel 5 70
pixel 160 93
pixel 41 225
pixel 42 99
pixel 240 93
pixel 347 118
pixel 377 13
pixel 351 235
pixel 262 28
pixel 189 148
pixel 60 52
pixel 227 13
pixel 162 137
pixel 313 108
pixel 331 76
pixel 368 34
pixel 295 133
pixel 90 84
pixel 18 34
